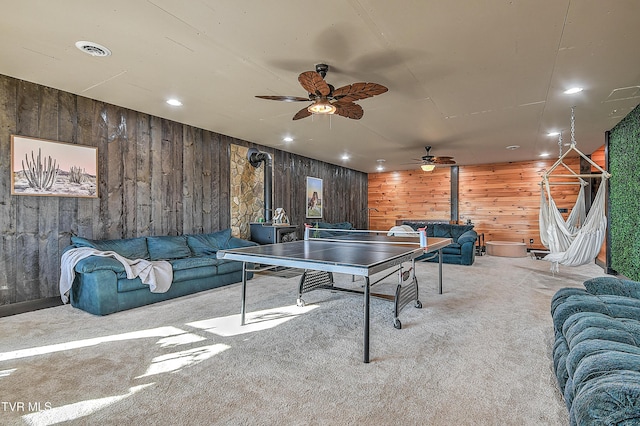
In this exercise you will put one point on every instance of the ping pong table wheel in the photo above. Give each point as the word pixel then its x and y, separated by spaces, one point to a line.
pixel 397 324
pixel 300 303
pixel 418 304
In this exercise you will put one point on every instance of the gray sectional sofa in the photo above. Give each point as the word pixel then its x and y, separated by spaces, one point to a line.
pixel 101 285
pixel 596 354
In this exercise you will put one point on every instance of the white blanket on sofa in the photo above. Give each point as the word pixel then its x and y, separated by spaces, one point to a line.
pixel 157 274
pixel 402 231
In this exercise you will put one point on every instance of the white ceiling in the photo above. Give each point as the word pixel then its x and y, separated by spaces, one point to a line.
pixel 467 77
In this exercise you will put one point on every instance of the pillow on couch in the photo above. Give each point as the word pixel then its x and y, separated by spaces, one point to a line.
pixel 458 230
pixel 168 247
pixel 131 248
pixel 613 286
pixel 209 244
pixel 441 230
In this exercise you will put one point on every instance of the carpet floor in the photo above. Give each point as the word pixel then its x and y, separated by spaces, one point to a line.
pixel 478 354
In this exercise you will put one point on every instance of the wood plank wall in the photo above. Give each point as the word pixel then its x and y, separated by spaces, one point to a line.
pixel 502 200
pixel 409 194
pixel 156 177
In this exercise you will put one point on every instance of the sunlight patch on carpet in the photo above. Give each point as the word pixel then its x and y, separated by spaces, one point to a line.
pixel 76 410
pixel 255 321
pixel 181 339
pixel 76 344
pixel 176 361
pixel 5 373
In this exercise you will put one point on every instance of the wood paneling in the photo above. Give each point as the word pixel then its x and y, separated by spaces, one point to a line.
pixel 157 177
pixel 409 194
pixel 502 200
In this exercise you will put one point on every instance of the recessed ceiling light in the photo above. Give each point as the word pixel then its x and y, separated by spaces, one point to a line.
pixel 345 156
pixel 93 49
pixel 573 90
pixel 174 102
pixel 544 154
pixel 287 139
pixel 512 147
pixel 553 134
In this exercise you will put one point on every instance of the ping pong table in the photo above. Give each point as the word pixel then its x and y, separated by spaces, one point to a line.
pixel 356 253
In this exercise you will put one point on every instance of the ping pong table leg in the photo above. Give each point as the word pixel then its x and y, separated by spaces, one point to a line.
pixel 367 298
pixel 440 271
pixel 244 292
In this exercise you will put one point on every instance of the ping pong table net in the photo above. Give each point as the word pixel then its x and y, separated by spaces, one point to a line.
pixel 367 236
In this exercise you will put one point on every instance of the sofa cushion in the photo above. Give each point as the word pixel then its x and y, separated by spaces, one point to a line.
pixel 209 244
pixel 131 248
pixel 453 248
pixel 228 266
pixel 442 230
pixel 613 286
pixel 168 247
pixel 193 262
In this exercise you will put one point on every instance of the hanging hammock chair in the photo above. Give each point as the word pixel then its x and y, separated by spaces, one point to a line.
pixel 577 240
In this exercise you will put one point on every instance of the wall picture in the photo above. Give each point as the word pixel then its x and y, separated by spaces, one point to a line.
pixel 314 198
pixel 43 167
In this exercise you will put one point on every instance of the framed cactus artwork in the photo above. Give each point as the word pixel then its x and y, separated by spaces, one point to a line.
pixel 44 167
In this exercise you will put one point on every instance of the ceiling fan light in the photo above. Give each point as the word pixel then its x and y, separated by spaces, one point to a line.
pixel 427 167
pixel 321 107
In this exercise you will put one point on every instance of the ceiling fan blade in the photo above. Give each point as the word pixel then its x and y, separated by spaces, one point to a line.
pixel 349 110
pixel 285 98
pixel 357 91
pixel 303 113
pixel 440 160
pixel 314 83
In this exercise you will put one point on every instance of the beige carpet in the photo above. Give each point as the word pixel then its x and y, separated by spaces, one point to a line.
pixel 479 354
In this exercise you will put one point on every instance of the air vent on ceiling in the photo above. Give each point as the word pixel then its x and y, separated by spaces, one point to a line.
pixel 93 49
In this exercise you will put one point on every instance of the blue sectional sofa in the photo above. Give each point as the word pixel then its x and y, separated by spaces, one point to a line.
pixel 101 286
pixel 596 354
pixel 462 251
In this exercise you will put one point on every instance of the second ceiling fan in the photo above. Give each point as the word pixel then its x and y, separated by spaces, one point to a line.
pixel 327 99
pixel 429 162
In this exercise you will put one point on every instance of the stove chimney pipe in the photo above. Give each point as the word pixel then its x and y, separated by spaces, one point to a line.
pixel 256 157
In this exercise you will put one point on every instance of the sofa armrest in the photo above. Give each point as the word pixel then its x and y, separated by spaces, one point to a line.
pixel 469 236
pixel 98 263
pixel 235 242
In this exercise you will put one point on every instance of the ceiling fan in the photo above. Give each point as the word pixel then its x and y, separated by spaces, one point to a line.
pixel 429 162
pixel 327 99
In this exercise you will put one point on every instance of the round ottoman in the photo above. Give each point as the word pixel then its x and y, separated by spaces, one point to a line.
pixel 506 249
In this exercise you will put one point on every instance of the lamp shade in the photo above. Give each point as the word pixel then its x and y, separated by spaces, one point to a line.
pixel 427 167
pixel 322 107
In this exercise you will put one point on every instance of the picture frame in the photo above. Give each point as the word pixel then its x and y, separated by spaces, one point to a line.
pixel 314 198
pixel 50 168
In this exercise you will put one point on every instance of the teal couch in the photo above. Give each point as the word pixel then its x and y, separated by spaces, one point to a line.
pixel 596 354
pixel 461 252
pixel 101 286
